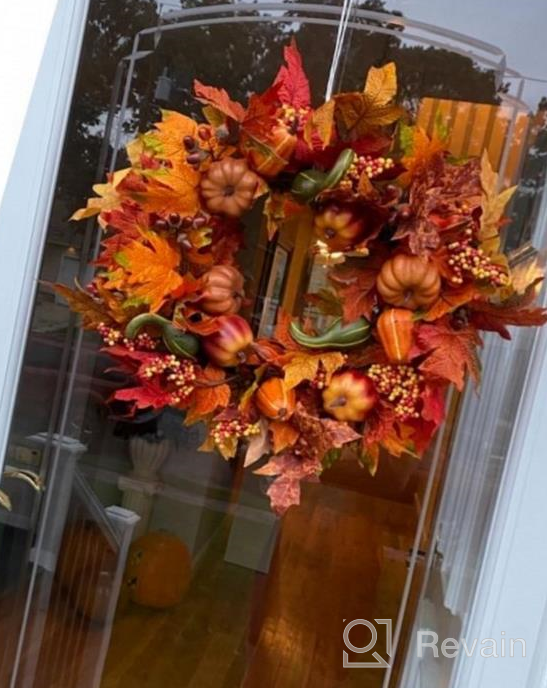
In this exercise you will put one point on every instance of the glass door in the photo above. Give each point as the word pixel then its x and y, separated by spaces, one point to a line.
pixel 215 590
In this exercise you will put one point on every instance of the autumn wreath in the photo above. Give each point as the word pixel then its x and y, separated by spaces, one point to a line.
pixel 408 235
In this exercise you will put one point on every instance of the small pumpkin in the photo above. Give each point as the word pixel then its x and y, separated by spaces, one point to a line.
pixel 158 571
pixel 339 229
pixel 227 347
pixel 350 396
pixel 275 400
pixel 395 328
pixel 270 159
pixel 229 187
pixel 222 290
pixel 409 282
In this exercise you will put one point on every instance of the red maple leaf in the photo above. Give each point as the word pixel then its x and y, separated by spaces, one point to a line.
pixel 487 316
pixel 146 395
pixel 450 353
pixel 294 87
pixel 433 407
pixel 219 99
pixel 290 471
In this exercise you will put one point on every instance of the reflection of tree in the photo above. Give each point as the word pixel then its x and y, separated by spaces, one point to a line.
pixel 532 180
pixel 109 33
pixel 240 56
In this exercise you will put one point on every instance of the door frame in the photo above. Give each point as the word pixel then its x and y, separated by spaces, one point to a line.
pixel 511 593
pixel 27 196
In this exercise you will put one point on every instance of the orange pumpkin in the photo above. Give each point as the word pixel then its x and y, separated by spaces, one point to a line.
pixel 274 400
pixel 222 290
pixel 339 229
pixel 395 330
pixel 409 282
pixel 350 396
pixel 228 346
pixel 159 570
pixel 270 159
pixel 229 187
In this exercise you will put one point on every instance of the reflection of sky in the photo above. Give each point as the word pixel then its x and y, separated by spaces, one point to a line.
pixel 518 27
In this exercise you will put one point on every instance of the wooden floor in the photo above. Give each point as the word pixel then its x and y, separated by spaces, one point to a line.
pixel 339 556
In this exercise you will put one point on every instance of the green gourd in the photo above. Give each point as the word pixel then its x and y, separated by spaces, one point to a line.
pixel 337 336
pixel 178 342
pixel 309 183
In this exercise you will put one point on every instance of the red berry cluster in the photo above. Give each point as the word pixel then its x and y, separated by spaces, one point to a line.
pixel 400 386
pixel 367 164
pixel 200 148
pixel 179 372
pixel 112 336
pixel 468 260
pixel 235 428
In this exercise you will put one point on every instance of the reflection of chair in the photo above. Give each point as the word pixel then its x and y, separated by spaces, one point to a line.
pixel 78 557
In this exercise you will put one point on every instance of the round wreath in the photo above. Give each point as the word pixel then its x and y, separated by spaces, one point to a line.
pixel 409 237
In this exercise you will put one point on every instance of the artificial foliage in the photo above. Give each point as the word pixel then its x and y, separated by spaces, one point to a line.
pixel 409 238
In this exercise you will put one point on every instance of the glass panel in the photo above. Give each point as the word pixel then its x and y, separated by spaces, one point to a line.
pixel 217 591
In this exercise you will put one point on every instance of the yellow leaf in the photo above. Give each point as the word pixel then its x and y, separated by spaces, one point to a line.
pixel 493 205
pixel 357 115
pixel 381 84
pixel 322 123
pixel 524 275
pixel 302 366
pixel 109 197
pixel 170 133
pixel 151 270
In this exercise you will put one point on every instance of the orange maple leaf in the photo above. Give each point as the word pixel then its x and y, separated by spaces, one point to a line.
pixel 283 435
pixel 452 353
pixel 422 150
pixel 149 271
pixel 208 397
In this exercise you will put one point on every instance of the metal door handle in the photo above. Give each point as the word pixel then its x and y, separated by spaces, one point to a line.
pixel 29 477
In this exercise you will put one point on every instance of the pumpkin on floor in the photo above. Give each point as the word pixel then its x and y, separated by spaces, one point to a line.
pixel 159 569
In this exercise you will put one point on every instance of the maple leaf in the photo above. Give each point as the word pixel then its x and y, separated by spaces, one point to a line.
pixel 151 270
pixel 284 435
pixel 261 114
pixel 206 397
pixel 175 191
pixel 359 113
pixel 129 222
pixel 356 286
pixel 321 123
pixel 284 492
pixel 419 150
pixel 219 99
pixel 493 204
pixel 301 366
pixel 109 197
pixel 495 318
pixel 433 406
pixel 294 88
pixel 93 311
pixel 322 434
pixel 148 394
pixel 167 137
pixel 451 353
pixel 525 274
pixel 449 300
